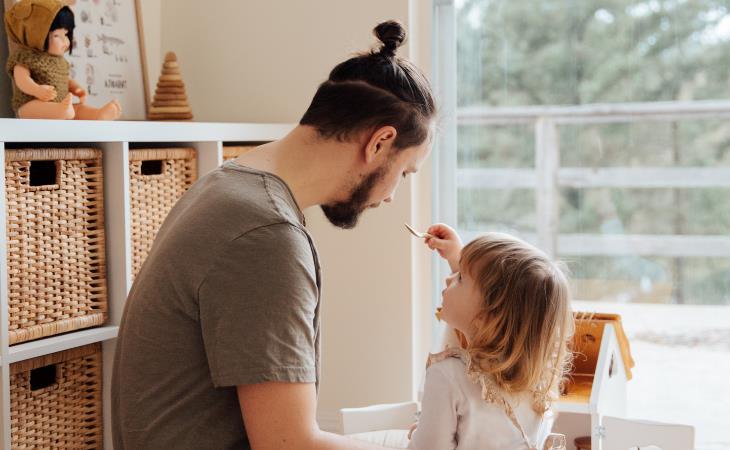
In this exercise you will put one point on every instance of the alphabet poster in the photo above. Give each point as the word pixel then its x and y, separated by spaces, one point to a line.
pixel 107 57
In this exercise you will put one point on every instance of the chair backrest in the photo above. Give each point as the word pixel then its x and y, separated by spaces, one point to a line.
pixel 625 434
pixel 395 416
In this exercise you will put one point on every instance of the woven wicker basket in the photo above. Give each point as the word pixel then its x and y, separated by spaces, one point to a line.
pixel 234 152
pixel 55 400
pixel 157 179
pixel 55 241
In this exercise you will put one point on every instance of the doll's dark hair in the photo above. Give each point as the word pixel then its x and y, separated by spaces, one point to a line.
pixel 64 19
pixel 374 89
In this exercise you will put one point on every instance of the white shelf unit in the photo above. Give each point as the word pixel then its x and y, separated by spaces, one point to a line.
pixel 114 139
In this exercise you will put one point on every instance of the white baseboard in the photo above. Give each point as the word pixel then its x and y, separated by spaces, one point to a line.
pixel 329 421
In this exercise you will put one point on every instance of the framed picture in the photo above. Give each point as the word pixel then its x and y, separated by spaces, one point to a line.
pixel 108 57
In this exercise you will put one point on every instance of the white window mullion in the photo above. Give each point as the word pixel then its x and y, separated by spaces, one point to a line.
pixel 547 164
pixel 445 151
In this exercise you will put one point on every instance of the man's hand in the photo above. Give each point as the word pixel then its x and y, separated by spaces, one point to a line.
pixel 447 242
pixel 282 416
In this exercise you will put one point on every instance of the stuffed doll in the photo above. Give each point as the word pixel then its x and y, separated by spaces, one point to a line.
pixel 42 88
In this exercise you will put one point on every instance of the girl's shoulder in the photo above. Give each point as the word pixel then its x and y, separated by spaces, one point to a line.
pixel 454 363
pixel 451 364
pixel 452 357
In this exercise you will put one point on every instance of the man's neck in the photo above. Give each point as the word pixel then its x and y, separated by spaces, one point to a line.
pixel 314 169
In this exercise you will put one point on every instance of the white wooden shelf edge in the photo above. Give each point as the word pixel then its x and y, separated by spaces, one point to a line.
pixel 29 130
pixel 59 343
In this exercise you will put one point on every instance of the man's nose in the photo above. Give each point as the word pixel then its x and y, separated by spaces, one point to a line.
pixel 388 199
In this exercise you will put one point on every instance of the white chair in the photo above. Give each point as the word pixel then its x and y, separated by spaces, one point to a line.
pixel 624 434
pixel 387 424
pixel 392 416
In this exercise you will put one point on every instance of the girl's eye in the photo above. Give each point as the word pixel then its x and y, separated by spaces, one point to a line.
pixel 405 174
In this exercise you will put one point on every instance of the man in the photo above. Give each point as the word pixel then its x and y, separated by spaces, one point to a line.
pixel 219 343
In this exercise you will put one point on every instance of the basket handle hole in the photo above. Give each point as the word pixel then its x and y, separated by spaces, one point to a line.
pixel 152 167
pixel 43 173
pixel 42 377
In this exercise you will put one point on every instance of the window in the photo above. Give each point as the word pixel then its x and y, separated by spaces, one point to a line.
pixel 599 131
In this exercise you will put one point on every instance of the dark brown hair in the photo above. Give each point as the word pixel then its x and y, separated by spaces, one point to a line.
pixel 372 90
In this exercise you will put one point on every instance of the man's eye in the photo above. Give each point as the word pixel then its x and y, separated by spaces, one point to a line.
pixel 405 174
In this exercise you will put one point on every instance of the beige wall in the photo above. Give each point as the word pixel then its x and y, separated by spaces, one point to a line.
pixel 262 62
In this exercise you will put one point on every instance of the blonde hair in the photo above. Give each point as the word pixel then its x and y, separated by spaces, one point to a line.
pixel 522 330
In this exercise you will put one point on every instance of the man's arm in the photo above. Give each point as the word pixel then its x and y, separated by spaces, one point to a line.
pixel 281 416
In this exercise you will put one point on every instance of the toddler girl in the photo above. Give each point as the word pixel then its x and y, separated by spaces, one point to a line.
pixel 510 304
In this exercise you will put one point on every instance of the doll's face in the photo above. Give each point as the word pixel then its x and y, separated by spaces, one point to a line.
pixel 58 42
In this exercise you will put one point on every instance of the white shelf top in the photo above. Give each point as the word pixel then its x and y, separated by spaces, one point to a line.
pixel 33 130
pixel 59 343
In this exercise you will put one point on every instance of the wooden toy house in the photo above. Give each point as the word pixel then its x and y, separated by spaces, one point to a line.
pixel 596 388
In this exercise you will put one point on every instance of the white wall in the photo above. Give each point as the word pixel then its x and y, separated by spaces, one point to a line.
pixel 262 62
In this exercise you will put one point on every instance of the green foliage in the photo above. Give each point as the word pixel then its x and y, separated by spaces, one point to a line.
pixel 591 51
pixel 572 52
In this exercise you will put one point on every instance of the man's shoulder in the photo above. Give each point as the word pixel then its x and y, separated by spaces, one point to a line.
pixel 277 232
pixel 258 195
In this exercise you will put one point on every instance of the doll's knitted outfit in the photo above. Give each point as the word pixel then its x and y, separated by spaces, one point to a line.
pixel 28 23
pixel 44 69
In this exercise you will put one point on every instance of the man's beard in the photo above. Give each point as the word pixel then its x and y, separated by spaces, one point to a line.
pixel 345 214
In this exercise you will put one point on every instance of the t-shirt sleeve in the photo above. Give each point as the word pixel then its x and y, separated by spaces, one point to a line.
pixel 436 428
pixel 257 309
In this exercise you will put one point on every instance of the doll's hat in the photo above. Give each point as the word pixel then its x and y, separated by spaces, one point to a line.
pixel 28 22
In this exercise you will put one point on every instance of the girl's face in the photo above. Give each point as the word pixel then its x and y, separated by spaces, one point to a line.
pixel 58 42
pixel 461 302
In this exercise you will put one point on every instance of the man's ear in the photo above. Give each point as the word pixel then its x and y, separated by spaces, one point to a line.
pixel 379 144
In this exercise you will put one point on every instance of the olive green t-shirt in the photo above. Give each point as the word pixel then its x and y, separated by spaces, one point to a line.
pixel 228 295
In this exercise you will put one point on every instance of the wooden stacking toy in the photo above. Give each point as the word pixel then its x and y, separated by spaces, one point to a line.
pixel 170 101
